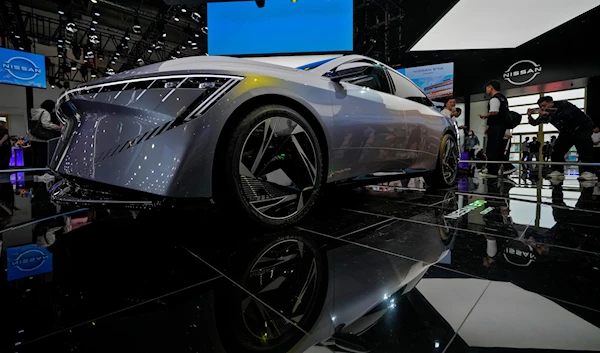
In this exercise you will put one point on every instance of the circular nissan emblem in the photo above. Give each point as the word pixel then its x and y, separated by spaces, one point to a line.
pixel 22 68
pixel 522 72
pixel 25 261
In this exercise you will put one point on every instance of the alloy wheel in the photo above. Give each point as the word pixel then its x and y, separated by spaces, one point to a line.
pixel 450 160
pixel 278 168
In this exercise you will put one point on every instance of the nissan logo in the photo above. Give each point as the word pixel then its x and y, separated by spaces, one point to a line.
pixel 21 68
pixel 30 260
pixel 522 72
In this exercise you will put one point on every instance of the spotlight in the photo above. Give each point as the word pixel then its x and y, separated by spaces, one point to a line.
pixel 195 48
pixel 140 60
pixel 52 86
pixel 101 57
pixel 196 16
pixel 73 66
pixel 118 54
pixel 95 22
pixel 60 40
pixel 21 48
pixel 71 27
pixel 94 1
pixel 60 55
pixel 137 28
pixel 189 41
pixel 61 12
pixel 112 62
pixel 97 14
pixel 89 53
pixel 149 50
pixel 175 18
pixel 17 36
pixel 93 74
pixel 164 35
pixel 183 9
pixel 60 45
pixel 194 44
pixel 204 30
pixel 183 47
pixel 93 29
pixel 178 52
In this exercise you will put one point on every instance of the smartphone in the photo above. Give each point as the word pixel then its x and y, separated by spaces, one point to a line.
pixel 536 111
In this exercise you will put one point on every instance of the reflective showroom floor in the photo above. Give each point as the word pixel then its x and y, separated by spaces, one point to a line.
pixel 494 265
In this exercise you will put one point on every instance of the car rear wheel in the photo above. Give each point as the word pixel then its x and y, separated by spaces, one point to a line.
pixel 446 169
pixel 274 166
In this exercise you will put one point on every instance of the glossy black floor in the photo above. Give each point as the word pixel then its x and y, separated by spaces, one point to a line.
pixel 494 265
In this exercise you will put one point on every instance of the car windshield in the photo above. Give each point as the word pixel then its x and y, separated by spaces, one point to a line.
pixel 311 66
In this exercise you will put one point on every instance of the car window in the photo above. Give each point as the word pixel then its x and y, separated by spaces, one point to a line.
pixel 404 88
pixel 365 74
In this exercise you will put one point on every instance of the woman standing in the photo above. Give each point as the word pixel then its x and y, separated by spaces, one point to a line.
pixel 42 129
pixel 471 143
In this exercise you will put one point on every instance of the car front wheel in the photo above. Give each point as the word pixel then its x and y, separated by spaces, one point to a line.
pixel 274 166
pixel 446 169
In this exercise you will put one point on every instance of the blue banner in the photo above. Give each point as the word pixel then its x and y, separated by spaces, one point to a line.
pixel 27 260
pixel 21 68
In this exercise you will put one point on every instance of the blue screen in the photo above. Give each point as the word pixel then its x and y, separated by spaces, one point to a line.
pixel 23 69
pixel 281 26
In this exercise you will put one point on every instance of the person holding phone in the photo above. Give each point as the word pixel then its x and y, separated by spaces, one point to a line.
pixel 575 128
pixel 451 111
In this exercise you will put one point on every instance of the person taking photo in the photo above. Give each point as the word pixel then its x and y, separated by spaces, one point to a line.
pixel 575 129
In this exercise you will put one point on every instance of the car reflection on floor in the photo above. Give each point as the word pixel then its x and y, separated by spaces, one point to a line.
pixel 383 268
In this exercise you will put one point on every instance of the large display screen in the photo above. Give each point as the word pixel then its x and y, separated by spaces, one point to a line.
pixel 280 27
pixel 23 69
pixel 437 81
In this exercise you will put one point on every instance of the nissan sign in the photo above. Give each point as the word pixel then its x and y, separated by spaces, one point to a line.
pixel 522 72
pixel 22 68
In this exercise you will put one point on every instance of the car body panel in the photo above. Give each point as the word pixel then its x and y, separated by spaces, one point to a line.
pixel 120 132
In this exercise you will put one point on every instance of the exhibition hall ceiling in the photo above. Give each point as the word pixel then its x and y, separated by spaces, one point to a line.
pixel 476 24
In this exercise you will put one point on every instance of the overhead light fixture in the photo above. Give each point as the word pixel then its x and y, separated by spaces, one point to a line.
pixel 112 62
pixel 60 45
pixel 95 22
pixel 196 17
pixel 93 74
pixel 71 27
pixel 61 12
pixel 89 53
pixel 97 14
pixel 127 37
pixel 178 52
pixel 17 36
pixel 149 50
pixel 93 29
pixel 94 1
pixel 195 48
pixel 164 35
pixel 101 57
pixel 183 47
pixel 194 43
pixel 204 30
pixel 60 55
pixel 60 40
pixel 137 28
pixel 175 18
pixel 21 48
pixel 73 66
pixel 183 9
pixel 454 24
pixel 118 54
pixel 140 60
pixel 189 41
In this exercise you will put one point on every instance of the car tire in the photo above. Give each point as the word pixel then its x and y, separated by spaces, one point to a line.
pixel 446 169
pixel 273 167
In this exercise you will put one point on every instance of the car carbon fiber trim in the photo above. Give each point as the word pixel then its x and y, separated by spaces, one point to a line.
pixel 200 106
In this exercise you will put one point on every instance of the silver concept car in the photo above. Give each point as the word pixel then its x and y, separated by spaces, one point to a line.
pixel 259 138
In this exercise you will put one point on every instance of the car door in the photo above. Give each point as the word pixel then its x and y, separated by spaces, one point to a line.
pixel 425 126
pixel 369 122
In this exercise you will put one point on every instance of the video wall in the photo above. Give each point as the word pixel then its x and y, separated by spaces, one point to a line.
pixel 280 27
pixel 436 81
pixel 23 69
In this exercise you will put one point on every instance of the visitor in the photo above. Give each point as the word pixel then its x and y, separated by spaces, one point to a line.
pixel 545 151
pixel 42 129
pixel 496 121
pixel 525 149
pixel 575 128
pixel 534 149
pixel 596 142
pixel 5 145
pixel 451 111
